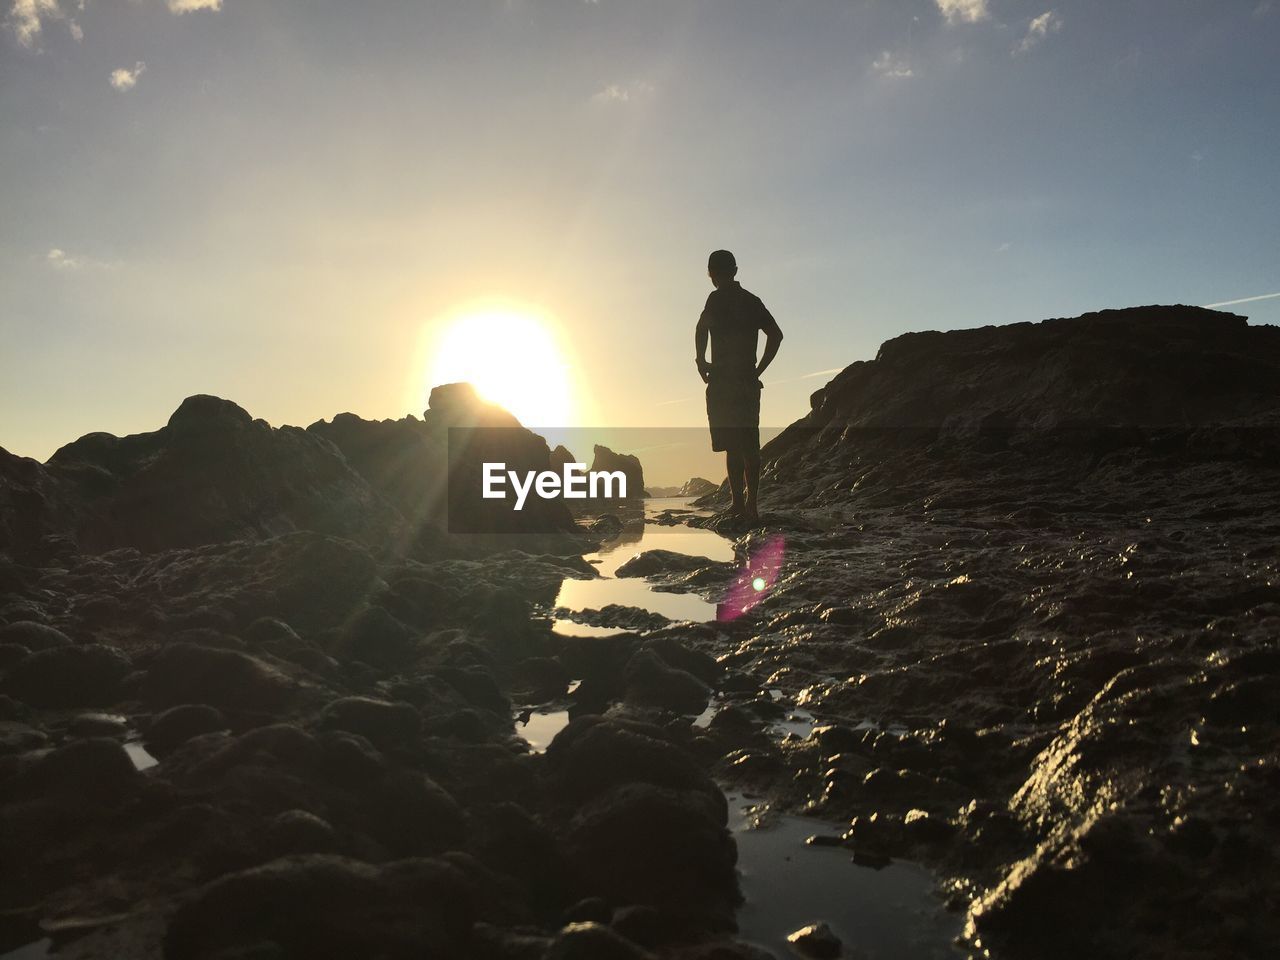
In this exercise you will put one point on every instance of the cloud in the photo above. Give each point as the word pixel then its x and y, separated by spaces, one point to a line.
pixel 189 6
pixel 125 80
pixel 887 65
pixel 60 260
pixel 963 11
pixel 1039 28
pixel 28 17
pixel 622 93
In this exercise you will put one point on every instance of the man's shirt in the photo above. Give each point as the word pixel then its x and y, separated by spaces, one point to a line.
pixel 734 318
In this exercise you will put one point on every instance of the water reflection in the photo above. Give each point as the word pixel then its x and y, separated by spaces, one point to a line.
pixel 634 539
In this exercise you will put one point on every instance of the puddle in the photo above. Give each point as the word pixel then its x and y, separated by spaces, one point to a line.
pixel 883 914
pixel 541 729
pixel 635 591
pixel 142 760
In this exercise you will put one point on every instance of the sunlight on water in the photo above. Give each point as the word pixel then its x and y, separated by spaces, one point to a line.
pixel 635 591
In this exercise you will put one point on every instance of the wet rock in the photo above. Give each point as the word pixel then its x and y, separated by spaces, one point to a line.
pixel 98 725
pixel 651 682
pixel 662 847
pixel 606 525
pixel 384 724
pixel 34 636
pixel 589 910
pixel 593 941
pixel 11 653
pixel 173 727
pixel 349 759
pixel 62 676
pixel 226 679
pixel 654 562
pixel 414 815
pixel 298 832
pixel 478 686
pixel 326 906
pixel 592 755
pixel 377 638
pixel 19 737
pixel 644 925
pixel 542 678
pixel 816 940
pixel 93 770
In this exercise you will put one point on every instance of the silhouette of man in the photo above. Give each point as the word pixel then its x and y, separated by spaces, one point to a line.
pixel 733 319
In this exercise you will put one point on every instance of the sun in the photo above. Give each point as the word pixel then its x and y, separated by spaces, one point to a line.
pixel 512 356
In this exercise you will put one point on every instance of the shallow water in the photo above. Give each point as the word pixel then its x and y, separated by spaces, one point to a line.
pixel 541 728
pixel 634 591
pixel 890 913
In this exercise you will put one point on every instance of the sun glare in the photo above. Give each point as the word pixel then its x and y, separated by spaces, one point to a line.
pixel 512 357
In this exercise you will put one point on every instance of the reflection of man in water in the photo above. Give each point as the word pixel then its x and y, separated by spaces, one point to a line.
pixel 733 318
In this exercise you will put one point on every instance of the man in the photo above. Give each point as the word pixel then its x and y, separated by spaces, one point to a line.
pixel 733 319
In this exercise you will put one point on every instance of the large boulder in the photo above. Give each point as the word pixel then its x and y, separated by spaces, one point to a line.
pixel 84 676
pixel 626 463
pixel 227 679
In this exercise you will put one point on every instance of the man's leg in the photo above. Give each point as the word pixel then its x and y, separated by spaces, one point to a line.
pixel 735 467
pixel 751 464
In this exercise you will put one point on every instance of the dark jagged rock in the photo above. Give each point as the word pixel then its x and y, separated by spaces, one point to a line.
pixel 32 506
pixel 431 468
pixel 653 562
pixel 627 464
pixel 697 487
pixel 213 474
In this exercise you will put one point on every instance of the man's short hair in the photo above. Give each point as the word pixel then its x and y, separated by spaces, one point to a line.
pixel 722 261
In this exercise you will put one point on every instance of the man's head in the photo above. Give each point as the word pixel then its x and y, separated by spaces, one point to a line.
pixel 721 267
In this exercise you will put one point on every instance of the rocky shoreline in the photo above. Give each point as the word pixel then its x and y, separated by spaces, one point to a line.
pixel 1029 598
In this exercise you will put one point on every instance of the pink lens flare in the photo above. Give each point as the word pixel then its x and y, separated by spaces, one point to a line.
pixel 754 581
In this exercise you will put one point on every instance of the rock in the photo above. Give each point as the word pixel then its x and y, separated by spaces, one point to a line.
pixel 298 832
pixel 593 755
pixel 384 724
pixel 98 725
pixel 816 940
pixel 11 653
pixel 32 507
pixel 18 737
pixel 213 474
pixel 413 815
pixel 326 906
pixel 34 636
pixel 589 910
pixel 90 771
pixel 377 638
pixel 653 562
pixel 173 727
pixel 227 679
pixel 658 846
pixel 697 487
pixel 627 464
pixel 83 676
pixel 651 682
pixel 593 941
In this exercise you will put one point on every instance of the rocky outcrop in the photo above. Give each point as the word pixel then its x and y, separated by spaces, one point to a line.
pixel 1055 397
pixel 431 469
pixel 696 487
pixel 628 463
pixel 212 474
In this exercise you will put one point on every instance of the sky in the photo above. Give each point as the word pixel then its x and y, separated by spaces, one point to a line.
pixel 289 202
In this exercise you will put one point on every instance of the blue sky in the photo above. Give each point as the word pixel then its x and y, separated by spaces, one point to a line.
pixel 284 201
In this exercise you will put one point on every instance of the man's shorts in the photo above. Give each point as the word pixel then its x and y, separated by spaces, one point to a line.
pixel 733 411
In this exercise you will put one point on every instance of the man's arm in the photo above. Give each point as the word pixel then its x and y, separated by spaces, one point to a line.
pixel 773 340
pixel 700 346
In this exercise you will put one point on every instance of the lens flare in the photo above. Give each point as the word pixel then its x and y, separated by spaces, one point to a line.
pixel 754 581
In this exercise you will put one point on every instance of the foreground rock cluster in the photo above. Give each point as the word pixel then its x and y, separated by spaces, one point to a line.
pixel 257 701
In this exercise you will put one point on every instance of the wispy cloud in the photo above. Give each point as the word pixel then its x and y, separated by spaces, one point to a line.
pixel 124 79
pixel 1039 28
pixel 623 93
pixel 964 11
pixel 188 6
pixel 59 259
pixel 1232 303
pixel 887 65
